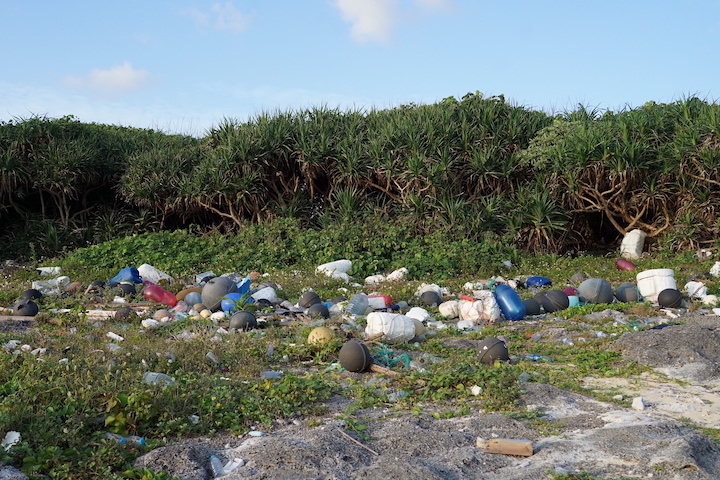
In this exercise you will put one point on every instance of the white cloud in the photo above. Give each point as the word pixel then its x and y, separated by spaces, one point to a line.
pixel 227 17
pixel 435 4
pixel 371 20
pixel 121 78
pixel 375 20
pixel 222 16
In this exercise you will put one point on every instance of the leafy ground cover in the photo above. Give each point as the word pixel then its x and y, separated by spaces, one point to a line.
pixel 69 386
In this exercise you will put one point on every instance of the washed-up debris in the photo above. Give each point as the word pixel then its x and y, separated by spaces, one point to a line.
pixel 338 269
pixel 505 446
pixel 396 275
pixel 632 244
pixel 11 439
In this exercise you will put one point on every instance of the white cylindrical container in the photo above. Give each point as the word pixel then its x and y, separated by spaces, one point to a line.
pixel 651 282
pixel 632 244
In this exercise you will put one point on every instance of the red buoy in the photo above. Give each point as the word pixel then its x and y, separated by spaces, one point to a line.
pixel 622 264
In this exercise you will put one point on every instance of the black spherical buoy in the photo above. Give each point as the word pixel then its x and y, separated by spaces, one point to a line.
pixel 430 298
pixel 243 320
pixel 318 310
pixel 355 356
pixel 309 299
pixel 539 297
pixel 338 299
pixel 627 292
pixel 263 303
pixel 31 294
pixel 532 307
pixel 124 313
pixel 555 300
pixel 26 308
pixel 670 298
pixel 492 349
pixel 127 288
pixel 96 286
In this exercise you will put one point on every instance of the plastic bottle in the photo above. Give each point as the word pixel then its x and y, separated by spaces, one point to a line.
pixel 129 439
pixel 216 467
pixel 159 294
pixel 510 303
pixel 154 378
pixel 537 358
pixel 358 304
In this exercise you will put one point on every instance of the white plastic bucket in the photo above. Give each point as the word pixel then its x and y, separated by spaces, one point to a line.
pixel 651 282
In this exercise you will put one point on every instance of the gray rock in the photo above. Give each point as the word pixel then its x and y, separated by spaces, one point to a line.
pixel 187 460
pixel 11 473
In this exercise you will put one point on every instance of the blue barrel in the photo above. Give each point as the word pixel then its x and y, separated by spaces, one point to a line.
pixel 510 303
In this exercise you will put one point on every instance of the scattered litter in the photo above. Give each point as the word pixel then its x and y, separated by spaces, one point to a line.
pixel 505 446
pixel 11 439
pixel 115 336
pixel 49 271
pixel 156 378
pixel 337 269
pixel 152 274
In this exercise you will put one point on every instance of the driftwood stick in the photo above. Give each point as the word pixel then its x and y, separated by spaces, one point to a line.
pixel 374 337
pixel 355 441
pixel 15 317
pixel 379 369
pixel 506 446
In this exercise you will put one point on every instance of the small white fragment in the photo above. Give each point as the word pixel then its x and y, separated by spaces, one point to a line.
pixel 11 438
pixel 475 389
pixel 114 336
pixel 150 323
pixel 638 403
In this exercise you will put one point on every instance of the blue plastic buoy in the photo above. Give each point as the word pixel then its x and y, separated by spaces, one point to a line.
pixel 511 305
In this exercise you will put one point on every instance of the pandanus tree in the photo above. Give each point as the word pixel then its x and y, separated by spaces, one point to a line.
pixel 159 177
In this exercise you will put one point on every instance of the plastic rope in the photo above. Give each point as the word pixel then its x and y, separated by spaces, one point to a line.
pixel 386 356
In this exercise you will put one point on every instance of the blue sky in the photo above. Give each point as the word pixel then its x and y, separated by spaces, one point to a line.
pixel 182 66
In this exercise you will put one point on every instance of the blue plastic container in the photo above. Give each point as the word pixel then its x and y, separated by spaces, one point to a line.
pixel 537 282
pixel 511 306
pixel 129 274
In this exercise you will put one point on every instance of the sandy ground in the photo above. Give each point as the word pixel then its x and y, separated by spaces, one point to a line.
pixel 570 432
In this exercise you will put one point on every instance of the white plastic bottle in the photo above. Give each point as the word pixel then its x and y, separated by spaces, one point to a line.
pixel 216 467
